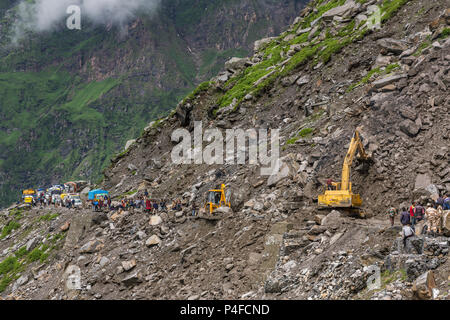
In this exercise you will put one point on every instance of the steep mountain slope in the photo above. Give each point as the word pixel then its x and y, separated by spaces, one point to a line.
pixel 71 99
pixel 327 75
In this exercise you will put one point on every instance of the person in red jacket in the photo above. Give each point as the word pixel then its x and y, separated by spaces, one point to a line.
pixel 411 214
pixel 148 205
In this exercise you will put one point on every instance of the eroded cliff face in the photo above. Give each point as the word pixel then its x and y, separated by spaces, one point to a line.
pixel 71 99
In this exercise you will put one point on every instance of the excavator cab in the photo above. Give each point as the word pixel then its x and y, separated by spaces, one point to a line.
pixel 217 198
pixel 342 196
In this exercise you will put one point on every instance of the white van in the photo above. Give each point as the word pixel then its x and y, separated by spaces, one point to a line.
pixel 78 203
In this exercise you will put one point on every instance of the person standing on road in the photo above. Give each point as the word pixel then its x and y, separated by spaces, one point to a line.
pixel 433 218
pixel 404 217
pixel 408 232
pixel 392 212
pixel 411 213
pixel 419 212
pixel 148 205
pixel 446 205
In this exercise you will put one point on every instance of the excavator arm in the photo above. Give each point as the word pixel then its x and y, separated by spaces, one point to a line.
pixel 355 145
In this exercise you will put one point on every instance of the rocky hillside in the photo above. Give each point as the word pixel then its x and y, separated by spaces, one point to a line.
pixel 70 99
pixel 317 82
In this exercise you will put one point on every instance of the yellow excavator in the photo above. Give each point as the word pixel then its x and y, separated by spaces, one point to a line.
pixel 217 198
pixel 341 196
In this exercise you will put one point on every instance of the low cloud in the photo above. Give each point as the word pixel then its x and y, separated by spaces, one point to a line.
pixel 48 15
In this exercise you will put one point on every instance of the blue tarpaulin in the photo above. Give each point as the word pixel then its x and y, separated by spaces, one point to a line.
pixel 97 192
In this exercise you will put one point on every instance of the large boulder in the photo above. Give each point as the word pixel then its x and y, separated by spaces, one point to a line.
pixel 423 180
pixel 333 218
pixel 155 220
pixel 347 10
pixel 392 45
pixel 91 246
pixel 424 287
pixel 424 188
pixel 223 210
pixel 259 44
pixel 446 223
pixel 132 279
pixel 414 245
pixel 99 217
pixel 153 241
pixel 409 127
pixel 236 64
pixel 183 113
pixel 387 80
pixel 129 143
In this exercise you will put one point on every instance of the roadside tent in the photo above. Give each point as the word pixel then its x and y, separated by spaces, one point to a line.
pixel 97 193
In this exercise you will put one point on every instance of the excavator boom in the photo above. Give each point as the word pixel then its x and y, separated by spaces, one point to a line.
pixel 355 145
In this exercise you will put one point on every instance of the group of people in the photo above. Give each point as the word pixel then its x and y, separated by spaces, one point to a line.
pixel 101 202
pixel 432 215
pixel 46 201
pixel 147 204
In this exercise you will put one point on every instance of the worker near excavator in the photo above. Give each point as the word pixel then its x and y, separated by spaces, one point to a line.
pixel 330 184
pixel 392 212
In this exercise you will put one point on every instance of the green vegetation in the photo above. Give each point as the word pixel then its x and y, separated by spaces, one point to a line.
pixel 124 195
pixel 390 7
pixel 38 254
pixel 12 225
pixel 425 44
pixel 445 33
pixel 48 217
pixel 16 213
pixel 257 78
pixel 13 265
pixel 376 71
pixel 8 270
pixel 204 86
pixel 304 133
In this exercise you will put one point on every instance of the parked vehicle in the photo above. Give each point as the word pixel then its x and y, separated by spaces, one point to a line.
pixel 76 197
